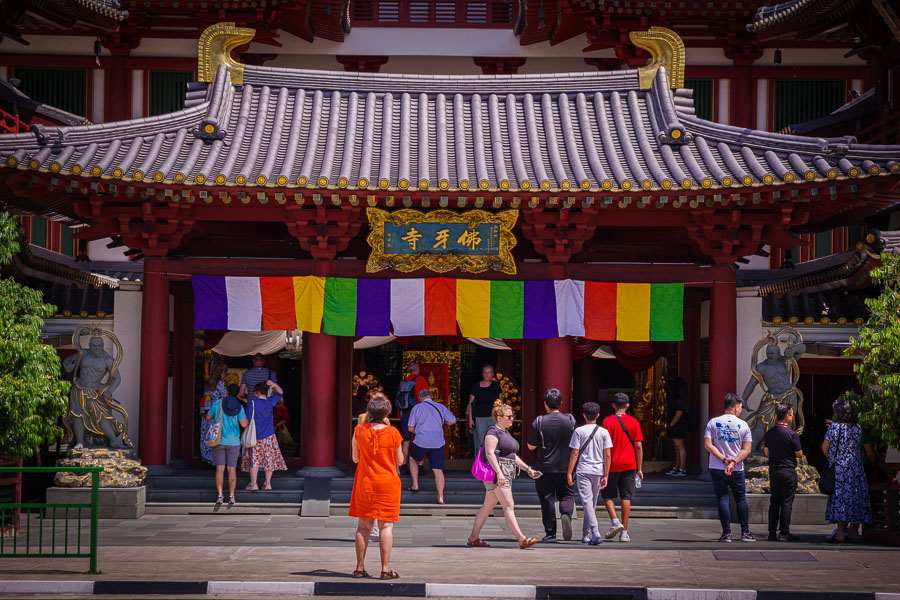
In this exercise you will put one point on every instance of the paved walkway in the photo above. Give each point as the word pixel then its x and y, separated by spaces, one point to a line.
pixel 663 552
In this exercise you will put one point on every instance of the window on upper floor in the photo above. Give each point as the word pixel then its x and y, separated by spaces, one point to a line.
pixel 62 88
pixel 166 91
pixel 800 100
pixel 498 14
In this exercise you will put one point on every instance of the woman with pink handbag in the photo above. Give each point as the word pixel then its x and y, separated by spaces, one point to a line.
pixel 497 473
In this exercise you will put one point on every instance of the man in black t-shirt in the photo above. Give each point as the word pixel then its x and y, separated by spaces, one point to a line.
pixel 550 436
pixel 782 446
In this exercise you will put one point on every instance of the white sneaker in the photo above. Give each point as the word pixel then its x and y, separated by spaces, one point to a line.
pixel 614 531
pixel 596 540
pixel 586 539
pixel 624 537
pixel 680 473
pixel 672 471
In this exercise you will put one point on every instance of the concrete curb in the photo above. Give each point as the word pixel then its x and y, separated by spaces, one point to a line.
pixel 688 594
pixel 412 590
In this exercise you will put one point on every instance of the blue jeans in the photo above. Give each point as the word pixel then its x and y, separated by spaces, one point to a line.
pixel 721 484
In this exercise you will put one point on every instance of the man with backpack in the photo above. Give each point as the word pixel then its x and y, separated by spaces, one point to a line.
pixel 625 469
pixel 407 397
pixel 426 421
pixel 550 436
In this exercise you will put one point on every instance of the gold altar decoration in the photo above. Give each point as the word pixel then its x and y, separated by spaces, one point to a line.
pixel 214 48
pixel 765 413
pixel 666 50
pixel 441 263
pixel 509 393
pixel 366 380
pixel 438 378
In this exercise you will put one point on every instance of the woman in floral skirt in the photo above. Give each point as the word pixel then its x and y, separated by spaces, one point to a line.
pixel 266 455
pixel 850 501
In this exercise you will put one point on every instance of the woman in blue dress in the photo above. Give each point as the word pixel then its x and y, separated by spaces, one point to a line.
pixel 850 501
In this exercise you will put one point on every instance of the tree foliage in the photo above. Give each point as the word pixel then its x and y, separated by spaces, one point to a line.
pixel 32 394
pixel 879 345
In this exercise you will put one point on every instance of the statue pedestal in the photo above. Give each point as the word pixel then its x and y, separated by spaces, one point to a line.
pixel 115 503
pixel 756 472
pixel 120 470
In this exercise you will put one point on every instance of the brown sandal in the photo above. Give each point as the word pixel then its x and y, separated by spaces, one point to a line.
pixel 478 543
pixel 528 542
pixel 389 575
pixel 360 573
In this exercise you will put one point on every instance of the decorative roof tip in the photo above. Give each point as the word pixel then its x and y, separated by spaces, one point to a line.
pixel 214 48
pixel 666 50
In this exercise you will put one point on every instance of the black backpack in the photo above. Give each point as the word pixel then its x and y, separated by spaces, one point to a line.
pixel 406 395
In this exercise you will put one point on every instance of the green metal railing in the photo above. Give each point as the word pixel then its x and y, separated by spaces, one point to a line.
pixel 12 513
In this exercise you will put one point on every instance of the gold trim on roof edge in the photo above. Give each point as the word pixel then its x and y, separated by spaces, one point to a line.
pixel 214 48
pixel 666 50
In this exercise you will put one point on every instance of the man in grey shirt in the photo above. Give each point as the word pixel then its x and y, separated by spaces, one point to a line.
pixel 426 422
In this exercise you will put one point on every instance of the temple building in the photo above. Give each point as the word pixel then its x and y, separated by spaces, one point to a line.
pixel 593 199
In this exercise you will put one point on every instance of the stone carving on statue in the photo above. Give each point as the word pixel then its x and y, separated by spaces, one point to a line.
pixel 92 408
pixel 777 378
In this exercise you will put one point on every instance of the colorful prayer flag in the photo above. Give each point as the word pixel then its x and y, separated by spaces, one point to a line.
pixel 633 312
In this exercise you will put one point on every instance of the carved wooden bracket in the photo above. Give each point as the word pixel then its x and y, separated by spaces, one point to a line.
pixel 558 235
pixel 324 231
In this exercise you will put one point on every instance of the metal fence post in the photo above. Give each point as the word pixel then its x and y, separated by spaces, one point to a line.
pixel 95 509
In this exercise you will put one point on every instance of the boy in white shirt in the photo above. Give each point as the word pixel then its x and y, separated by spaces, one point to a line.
pixel 589 460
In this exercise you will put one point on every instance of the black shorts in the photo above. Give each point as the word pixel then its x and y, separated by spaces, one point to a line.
pixel 619 485
pixel 435 455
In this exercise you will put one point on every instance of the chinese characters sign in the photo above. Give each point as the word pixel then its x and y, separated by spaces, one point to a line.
pixel 441 240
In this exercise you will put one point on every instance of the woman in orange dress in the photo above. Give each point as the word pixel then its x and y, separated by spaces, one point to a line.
pixel 376 487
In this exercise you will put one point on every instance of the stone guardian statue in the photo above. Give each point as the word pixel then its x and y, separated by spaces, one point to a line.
pixel 92 408
pixel 777 378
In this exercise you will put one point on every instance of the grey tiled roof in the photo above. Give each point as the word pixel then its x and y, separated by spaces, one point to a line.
pixel 788 15
pixel 285 128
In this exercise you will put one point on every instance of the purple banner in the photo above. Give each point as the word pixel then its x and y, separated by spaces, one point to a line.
pixel 540 310
pixel 210 302
pixel 373 307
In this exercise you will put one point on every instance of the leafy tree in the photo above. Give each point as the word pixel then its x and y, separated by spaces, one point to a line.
pixel 32 395
pixel 879 345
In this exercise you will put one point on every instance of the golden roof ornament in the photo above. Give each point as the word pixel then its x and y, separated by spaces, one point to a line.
pixel 666 50
pixel 214 48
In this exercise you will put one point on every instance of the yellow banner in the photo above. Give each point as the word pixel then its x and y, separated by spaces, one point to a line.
pixel 309 302
pixel 633 312
pixel 473 308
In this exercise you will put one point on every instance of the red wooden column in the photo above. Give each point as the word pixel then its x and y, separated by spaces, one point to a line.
pixel 154 363
pixel 321 417
pixel 530 395
pixel 722 338
pixel 556 357
pixel 185 347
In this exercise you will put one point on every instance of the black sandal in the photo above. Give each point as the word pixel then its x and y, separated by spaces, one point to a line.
pixel 389 575
pixel 414 491
pixel 360 573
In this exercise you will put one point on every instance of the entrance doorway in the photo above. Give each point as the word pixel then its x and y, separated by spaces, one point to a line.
pixel 452 366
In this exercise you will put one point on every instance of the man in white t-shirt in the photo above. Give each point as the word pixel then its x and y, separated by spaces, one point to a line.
pixel 590 459
pixel 728 440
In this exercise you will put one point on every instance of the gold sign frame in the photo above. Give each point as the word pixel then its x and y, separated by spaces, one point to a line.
pixel 441 263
